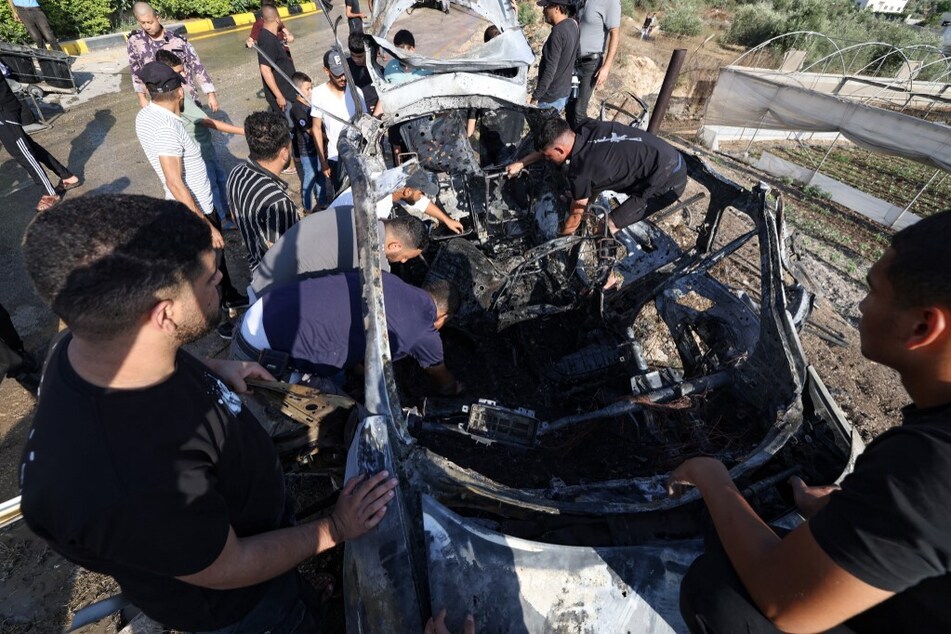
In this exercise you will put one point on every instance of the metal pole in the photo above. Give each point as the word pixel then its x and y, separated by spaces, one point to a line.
pixel 828 152
pixel 666 89
pixel 915 199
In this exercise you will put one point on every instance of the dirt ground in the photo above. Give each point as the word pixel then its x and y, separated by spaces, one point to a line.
pixel 41 590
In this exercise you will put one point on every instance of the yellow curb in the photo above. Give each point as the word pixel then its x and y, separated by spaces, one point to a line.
pixel 242 19
pixel 199 26
pixel 74 47
pixel 307 7
pixel 283 12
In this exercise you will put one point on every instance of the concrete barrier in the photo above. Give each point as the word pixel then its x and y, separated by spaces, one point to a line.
pixel 869 206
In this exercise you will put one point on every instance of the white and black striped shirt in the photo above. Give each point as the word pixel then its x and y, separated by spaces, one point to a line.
pixel 261 207
pixel 162 133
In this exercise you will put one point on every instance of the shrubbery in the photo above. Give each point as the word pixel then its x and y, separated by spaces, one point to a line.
pixel 68 19
pixel 526 13
pixel 755 23
pixel 682 19
pixel 192 8
pixel 85 18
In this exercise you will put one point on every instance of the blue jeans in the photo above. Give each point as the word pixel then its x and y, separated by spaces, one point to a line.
pixel 311 182
pixel 557 104
pixel 219 184
pixel 282 610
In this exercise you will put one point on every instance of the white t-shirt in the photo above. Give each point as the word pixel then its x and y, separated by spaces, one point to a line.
pixel 324 99
pixel 162 133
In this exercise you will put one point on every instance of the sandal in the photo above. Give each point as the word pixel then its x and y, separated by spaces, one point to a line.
pixel 65 187
pixel 46 202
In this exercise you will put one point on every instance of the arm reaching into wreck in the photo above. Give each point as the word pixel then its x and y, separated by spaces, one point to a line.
pixel 793 582
pixel 245 561
pixel 513 169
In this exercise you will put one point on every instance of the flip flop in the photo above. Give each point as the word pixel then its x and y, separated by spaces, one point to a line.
pixel 47 202
pixel 64 186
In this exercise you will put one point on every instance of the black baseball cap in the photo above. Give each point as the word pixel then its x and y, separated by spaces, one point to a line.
pixel 159 77
pixel 545 3
pixel 333 60
pixel 423 181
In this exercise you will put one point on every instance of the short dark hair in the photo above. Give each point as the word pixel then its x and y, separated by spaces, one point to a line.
pixel 299 79
pixel 101 262
pixel 355 43
pixel 404 38
pixel 168 58
pixel 920 272
pixel 548 132
pixel 410 230
pixel 267 133
pixel 491 33
pixel 445 295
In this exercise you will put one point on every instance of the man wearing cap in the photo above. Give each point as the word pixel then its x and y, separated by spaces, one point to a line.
pixel 278 67
pixel 333 105
pixel 558 55
pixel 600 33
pixel 608 156
pixel 326 242
pixel 143 44
pixel 176 159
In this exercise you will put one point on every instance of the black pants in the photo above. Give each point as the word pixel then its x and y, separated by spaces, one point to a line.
pixel 651 200
pixel 713 599
pixel 34 20
pixel 11 346
pixel 228 291
pixel 577 109
pixel 30 154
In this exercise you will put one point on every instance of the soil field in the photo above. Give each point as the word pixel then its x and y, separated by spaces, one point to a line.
pixel 893 179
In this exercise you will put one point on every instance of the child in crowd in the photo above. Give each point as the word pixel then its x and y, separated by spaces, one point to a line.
pixel 305 152
pixel 199 126
pixel 395 71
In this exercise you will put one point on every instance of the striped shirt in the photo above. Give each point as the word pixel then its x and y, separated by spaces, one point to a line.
pixel 162 133
pixel 261 207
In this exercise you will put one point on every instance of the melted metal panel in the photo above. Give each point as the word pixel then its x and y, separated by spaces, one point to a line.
pixel 515 585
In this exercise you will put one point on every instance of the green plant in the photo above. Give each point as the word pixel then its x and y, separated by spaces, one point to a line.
pixel 11 30
pixel 526 13
pixel 628 7
pixel 753 24
pixel 816 192
pixel 192 8
pixel 682 19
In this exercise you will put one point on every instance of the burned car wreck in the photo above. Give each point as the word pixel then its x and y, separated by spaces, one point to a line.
pixel 537 500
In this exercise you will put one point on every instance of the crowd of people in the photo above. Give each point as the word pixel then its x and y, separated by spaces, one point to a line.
pixel 177 492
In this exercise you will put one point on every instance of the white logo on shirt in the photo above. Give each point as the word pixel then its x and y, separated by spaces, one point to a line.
pixel 617 138
pixel 227 398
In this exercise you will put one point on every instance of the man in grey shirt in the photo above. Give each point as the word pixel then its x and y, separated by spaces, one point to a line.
pixel 326 242
pixel 600 35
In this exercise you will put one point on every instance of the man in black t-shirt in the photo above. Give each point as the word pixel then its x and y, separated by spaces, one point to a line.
pixel 558 55
pixel 278 90
pixel 142 462
pixel 603 155
pixel 357 61
pixel 873 555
